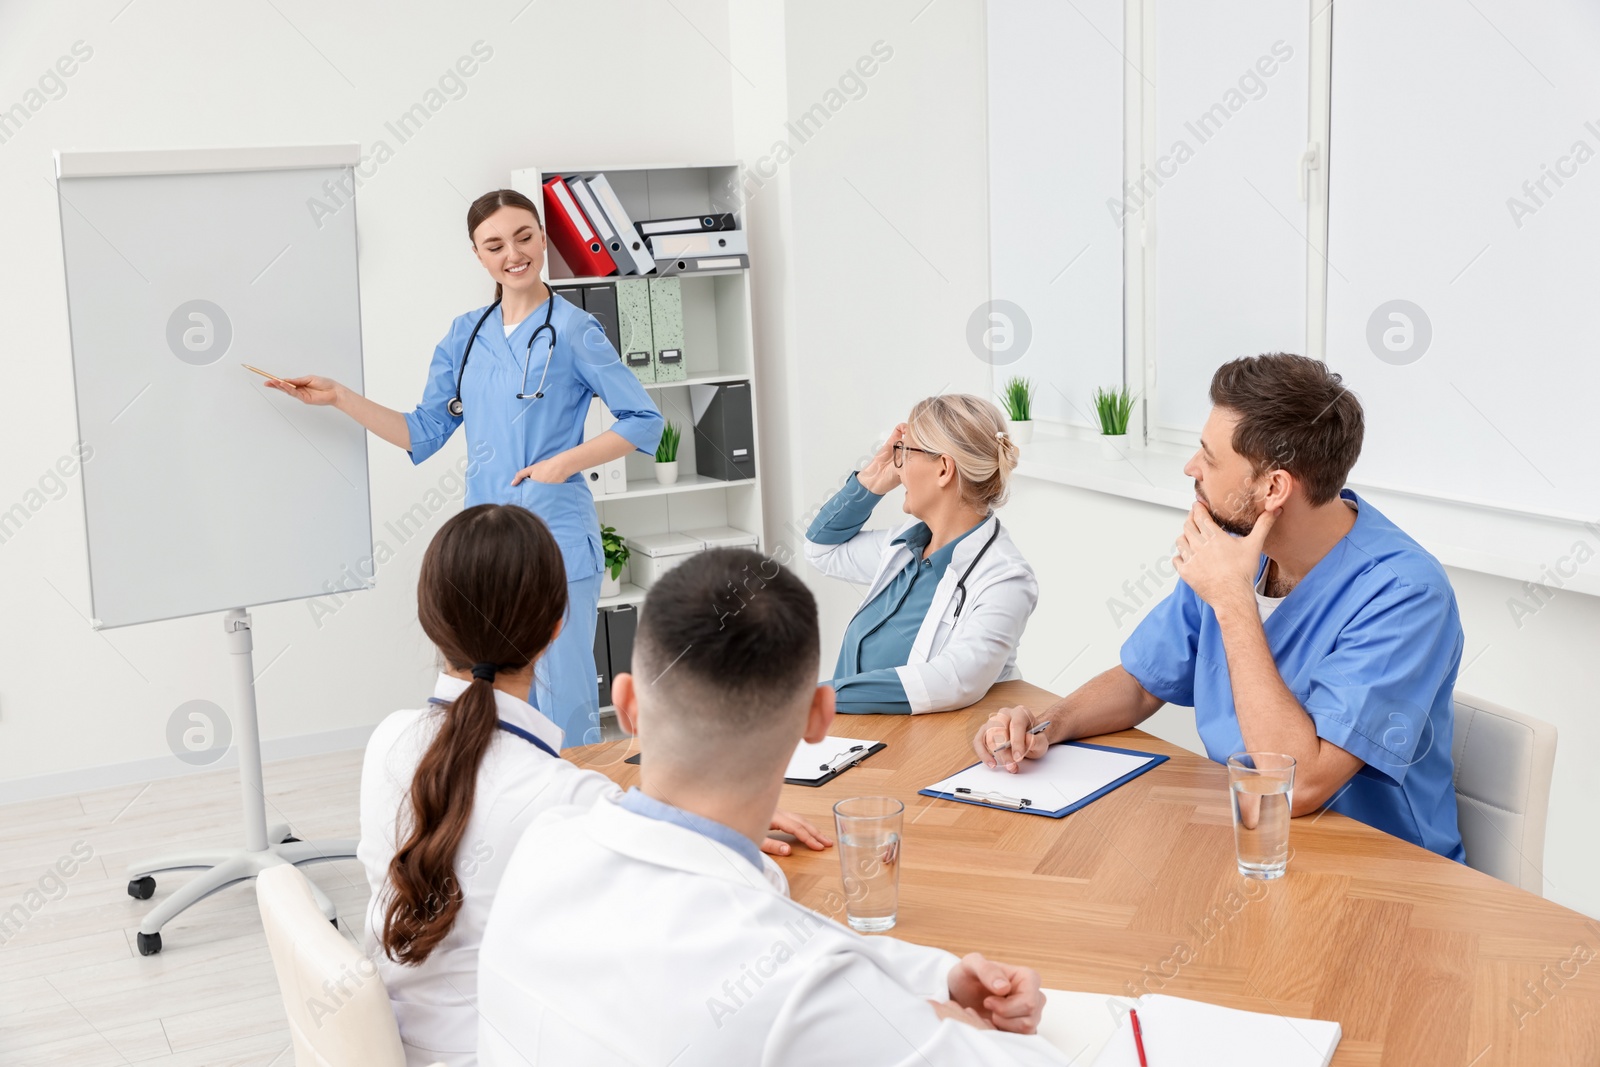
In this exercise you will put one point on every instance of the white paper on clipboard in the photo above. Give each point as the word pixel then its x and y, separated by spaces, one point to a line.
pixel 811 762
pixel 1062 777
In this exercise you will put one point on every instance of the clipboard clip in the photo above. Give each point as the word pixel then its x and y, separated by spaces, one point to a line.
pixel 849 758
pixel 995 798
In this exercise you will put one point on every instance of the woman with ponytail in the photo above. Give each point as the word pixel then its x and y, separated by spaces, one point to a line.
pixel 447 789
pixel 519 375
pixel 948 592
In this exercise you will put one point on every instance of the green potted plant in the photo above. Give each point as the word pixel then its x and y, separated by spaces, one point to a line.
pixel 1018 400
pixel 1113 407
pixel 616 550
pixel 667 454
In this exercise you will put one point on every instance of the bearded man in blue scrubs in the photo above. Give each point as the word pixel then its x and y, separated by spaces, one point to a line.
pixel 1304 621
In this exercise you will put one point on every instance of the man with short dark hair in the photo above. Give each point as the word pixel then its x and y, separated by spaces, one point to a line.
pixel 1304 622
pixel 649 929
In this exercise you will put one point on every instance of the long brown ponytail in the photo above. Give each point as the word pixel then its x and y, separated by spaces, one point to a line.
pixel 492 590
pixel 487 205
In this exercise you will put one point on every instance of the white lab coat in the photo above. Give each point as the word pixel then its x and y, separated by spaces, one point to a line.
pixel 434 1000
pixel 617 939
pixel 954 660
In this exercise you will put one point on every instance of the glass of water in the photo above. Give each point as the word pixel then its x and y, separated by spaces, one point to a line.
pixel 869 857
pixel 1262 787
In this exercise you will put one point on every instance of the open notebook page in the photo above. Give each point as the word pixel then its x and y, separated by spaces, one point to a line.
pixel 1191 1033
pixel 1081 1024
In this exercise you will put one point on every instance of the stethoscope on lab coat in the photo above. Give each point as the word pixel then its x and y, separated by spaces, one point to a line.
pixel 513 730
pixel 961 585
pixel 454 406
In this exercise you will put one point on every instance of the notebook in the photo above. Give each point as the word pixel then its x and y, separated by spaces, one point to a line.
pixel 820 763
pixel 1093 1030
pixel 1064 779
pixel 1081 1024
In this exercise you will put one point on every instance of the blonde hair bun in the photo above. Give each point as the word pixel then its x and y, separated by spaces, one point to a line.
pixel 968 428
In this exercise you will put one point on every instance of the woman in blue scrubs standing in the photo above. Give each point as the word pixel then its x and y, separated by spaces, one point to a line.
pixel 523 393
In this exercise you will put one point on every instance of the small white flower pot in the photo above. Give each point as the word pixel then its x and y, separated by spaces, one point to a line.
pixel 1114 445
pixel 610 586
pixel 667 473
pixel 1022 431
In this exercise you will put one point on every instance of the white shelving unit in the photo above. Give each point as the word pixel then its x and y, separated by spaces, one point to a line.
pixel 686 483
pixel 718 343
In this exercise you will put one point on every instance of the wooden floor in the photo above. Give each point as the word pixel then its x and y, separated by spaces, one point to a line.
pixel 74 989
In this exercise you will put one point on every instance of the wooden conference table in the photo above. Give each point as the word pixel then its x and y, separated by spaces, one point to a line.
pixel 1421 960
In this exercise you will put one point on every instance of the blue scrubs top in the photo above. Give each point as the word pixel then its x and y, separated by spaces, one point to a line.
pixel 880 637
pixel 1369 643
pixel 505 434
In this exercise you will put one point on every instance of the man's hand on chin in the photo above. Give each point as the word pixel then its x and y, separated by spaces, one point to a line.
pixel 1220 568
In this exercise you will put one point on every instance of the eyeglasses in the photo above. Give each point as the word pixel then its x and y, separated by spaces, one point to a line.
pixel 901 448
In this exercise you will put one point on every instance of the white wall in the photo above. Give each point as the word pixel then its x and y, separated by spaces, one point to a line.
pixel 888 253
pixel 182 74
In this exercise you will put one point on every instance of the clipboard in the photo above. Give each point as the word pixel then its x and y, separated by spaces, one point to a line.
pixel 838 765
pixel 842 762
pixel 1013 792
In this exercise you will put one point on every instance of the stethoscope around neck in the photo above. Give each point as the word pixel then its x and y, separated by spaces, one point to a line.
pixel 961 584
pixel 454 406
pixel 512 729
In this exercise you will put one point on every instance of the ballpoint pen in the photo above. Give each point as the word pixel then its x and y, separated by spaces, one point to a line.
pixel 1007 744
pixel 995 798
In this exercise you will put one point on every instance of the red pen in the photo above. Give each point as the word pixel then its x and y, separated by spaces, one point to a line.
pixel 1138 1037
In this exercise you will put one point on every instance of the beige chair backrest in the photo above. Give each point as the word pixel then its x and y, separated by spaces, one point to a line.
pixel 338 1009
pixel 1503 764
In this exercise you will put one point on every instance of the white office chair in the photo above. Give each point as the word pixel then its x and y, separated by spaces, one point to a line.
pixel 1503 764
pixel 338 1009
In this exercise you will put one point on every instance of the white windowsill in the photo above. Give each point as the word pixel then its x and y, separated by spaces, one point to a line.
pixel 1476 537
pixel 1073 456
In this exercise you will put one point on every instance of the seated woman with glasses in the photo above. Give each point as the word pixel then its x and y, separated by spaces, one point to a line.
pixel 948 593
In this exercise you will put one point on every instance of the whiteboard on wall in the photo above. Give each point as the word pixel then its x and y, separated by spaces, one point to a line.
pixel 1055 83
pixel 203 490
pixel 1462 280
